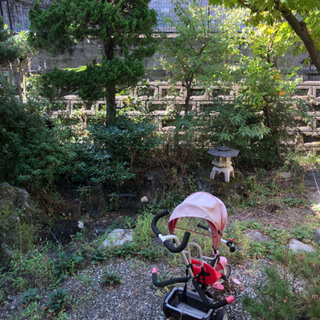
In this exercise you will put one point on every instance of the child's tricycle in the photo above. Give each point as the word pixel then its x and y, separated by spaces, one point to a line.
pixel 196 304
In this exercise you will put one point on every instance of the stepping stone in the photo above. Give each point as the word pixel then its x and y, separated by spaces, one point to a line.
pixel 256 235
pixel 297 246
pixel 117 238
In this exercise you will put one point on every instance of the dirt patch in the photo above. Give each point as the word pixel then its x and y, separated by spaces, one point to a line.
pixel 289 218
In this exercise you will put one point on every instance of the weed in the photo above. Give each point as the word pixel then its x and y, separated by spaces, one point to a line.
pixel 277 298
pixel 304 232
pixel 130 222
pixel 143 232
pixel 149 254
pixel 126 223
pixel 85 279
pixel 294 202
pixel 31 270
pixel 2 297
pixel 129 250
pixel 67 265
pixel 30 296
pixel 31 311
pixel 110 278
pixel 78 237
pixel 99 255
pixel 57 302
pixel 126 250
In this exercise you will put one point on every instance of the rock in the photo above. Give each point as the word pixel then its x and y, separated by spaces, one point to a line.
pixel 11 298
pixel 218 187
pixel 62 230
pixel 250 176
pixel 285 175
pixel 101 231
pixel 317 236
pixel 256 235
pixel 16 227
pixel 117 238
pixel 17 197
pixel 297 246
pixel 12 307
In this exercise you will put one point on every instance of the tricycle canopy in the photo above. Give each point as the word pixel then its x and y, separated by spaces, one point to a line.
pixel 205 206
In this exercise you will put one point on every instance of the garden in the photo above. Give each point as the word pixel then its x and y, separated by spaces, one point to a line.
pixel 119 165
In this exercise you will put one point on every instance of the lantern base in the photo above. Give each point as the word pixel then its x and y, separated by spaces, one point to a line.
pixel 226 171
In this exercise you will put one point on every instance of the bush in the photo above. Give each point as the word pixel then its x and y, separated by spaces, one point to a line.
pixel 33 152
pixel 107 153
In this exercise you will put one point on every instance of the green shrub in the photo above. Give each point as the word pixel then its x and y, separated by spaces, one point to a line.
pixel 33 151
pixel 108 152
pixel 288 291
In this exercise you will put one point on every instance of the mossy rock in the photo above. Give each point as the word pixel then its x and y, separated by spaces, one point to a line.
pixel 218 187
pixel 16 222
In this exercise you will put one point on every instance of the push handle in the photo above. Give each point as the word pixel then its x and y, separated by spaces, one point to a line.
pixel 166 282
pixel 203 226
pixel 167 243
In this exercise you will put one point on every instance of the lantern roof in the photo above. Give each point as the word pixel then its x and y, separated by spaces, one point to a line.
pixel 223 151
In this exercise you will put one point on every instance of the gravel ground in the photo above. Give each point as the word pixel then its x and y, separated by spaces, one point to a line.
pixel 135 298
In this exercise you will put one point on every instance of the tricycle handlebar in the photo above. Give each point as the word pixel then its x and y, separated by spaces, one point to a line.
pixel 167 243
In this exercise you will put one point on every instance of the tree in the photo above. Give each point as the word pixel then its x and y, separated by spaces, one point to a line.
pixel 7 53
pixel 20 64
pixel 301 16
pixel 122 29
pixel 256 122
pixel 200 52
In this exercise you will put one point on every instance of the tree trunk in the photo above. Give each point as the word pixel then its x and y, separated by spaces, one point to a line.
pixel 266 112
pixel 187 100
pixel 111 90
pixel 188 82
pixel 300 28
pixel 111 106
pixel 17 78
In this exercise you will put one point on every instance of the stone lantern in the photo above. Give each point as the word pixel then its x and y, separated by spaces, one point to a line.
pixel 222 162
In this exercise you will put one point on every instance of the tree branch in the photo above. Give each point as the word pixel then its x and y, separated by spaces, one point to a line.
pixel 300 28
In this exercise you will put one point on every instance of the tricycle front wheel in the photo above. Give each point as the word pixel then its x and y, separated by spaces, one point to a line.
pixel 222 314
